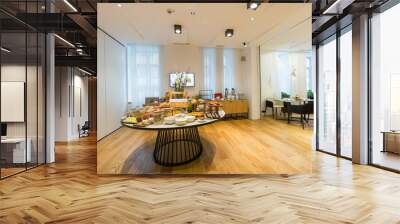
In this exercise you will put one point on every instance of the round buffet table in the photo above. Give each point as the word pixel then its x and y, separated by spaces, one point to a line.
pixel 177 144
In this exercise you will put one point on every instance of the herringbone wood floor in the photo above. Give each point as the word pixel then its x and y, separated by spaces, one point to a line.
pixel 265 146
pixel 71 192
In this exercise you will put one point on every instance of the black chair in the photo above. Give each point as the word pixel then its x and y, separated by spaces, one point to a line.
pixel 297 109
pixel 84 130
pixel 308 110
pixel 269 104
pixel 305 110
pixel 286 108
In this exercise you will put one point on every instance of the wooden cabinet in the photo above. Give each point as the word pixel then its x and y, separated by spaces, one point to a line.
pixel 391 142
pixel 235 106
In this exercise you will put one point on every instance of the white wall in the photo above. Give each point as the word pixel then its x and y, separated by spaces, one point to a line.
pixel 71 102
pixel 111 84
pixel 181 58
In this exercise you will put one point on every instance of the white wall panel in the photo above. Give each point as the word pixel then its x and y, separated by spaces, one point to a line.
pixel 111 84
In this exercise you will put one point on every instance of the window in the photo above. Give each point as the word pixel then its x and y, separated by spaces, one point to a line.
pixel 327 97
pixel 309 79
pixel 346 94
pixel 385 89
pixel 144 73
pixel 209 66
pixel 229 68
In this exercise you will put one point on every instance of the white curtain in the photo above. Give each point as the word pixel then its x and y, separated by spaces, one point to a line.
pixel 144 73
pixel 209 66
pixel 229 68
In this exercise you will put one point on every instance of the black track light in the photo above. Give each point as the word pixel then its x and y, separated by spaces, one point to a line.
pixel 253 4
pixel 228 32
pixel 178 29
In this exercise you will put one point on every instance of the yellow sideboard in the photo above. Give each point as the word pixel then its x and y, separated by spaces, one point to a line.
pixel 232 107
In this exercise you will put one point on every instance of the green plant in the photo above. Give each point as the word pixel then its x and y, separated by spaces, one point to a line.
pixel 310 94
pixel 284 95
pixel 180 82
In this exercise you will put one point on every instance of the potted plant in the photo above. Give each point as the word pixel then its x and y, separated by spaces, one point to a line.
pixel 310 94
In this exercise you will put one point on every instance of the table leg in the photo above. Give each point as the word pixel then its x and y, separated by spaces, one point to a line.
pixel 177 146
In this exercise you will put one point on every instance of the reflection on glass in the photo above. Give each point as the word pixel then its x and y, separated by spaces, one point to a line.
pixel 385 114
pixel 346 94
pixel 31 99
pixel 41 98
pixel 13 86
pixel 327 97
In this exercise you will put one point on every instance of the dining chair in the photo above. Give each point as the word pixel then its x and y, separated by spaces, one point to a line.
pixel 269 104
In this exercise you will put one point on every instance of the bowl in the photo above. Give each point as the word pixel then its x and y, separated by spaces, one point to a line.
pixel 190 118
pixel 180 121
pixel 169 120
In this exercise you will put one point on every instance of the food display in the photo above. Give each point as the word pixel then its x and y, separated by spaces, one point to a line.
pixel 162 114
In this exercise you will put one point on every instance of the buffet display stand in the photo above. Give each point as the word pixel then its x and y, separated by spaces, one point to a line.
pixel 177 144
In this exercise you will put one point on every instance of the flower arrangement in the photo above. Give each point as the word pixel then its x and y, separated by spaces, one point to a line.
pixel 180 82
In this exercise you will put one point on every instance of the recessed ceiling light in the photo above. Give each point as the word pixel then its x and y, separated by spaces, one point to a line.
pixel 119 5
pixel 253 4
pixel 228 32
pixel 244 44
pixel 178 29
pixel 252 18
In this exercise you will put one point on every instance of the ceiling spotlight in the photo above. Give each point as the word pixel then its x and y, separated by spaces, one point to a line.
pixel 119 5
pixel 228 32
pixel 5 50
pixel 252 18
pixel 244 44
pixel 178 29
pixel 253 4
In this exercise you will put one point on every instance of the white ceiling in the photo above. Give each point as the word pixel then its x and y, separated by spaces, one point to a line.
pixel 278 25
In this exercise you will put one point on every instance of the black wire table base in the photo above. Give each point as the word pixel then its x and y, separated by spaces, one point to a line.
pixel 177 146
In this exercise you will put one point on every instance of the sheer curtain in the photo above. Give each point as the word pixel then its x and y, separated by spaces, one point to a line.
pixel 209 65
pixel 229 68
pixel 144 73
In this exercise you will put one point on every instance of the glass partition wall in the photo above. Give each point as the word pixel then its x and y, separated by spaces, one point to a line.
pixel 22 77
pixel 385 89
pixel 334 104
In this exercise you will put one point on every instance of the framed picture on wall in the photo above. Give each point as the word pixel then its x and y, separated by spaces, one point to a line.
pixel 189 75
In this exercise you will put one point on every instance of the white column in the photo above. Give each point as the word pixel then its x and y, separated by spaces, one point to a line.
pixel 50 99
pixel 255 82
pixel 360 90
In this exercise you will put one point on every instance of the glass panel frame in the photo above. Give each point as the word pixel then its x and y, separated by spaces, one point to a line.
pixel 383 73
pixel 24 60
